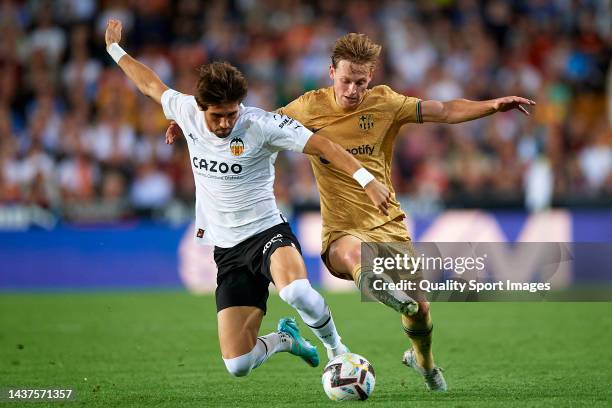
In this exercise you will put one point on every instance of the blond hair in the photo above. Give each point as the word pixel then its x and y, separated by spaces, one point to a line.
pixel 355 48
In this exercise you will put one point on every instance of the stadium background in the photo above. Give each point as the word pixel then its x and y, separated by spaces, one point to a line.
pixel 85 173
pixel 95 210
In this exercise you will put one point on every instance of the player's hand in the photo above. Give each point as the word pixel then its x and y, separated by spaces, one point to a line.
pixel 173 132
pixel 113 32
pixel 380 195
pixel 512 102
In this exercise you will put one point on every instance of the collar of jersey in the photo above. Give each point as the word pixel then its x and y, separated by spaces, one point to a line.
pixel 219 141
pixel 339 108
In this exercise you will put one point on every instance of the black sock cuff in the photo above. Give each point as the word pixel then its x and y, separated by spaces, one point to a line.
pixel 417 332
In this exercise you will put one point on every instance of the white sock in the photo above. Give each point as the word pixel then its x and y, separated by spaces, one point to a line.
pixel 271 343
pixel 241 365
pixel 264 348
pixel 313 310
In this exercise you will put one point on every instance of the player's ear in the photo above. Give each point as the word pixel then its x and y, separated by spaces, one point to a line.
pixel 331 72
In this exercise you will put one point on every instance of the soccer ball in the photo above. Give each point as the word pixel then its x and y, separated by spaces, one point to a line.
pixel 348 377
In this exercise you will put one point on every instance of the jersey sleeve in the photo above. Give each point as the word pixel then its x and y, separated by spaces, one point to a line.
pixel 295 109
pixel 174 104
pixel 285 133
pixel 408 108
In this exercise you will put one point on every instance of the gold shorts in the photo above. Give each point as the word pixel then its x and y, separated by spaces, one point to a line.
pixel 392 231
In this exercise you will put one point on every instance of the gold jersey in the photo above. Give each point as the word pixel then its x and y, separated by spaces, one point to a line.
pixel 368 132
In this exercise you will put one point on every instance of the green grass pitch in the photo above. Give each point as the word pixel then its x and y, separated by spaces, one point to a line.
pixel 160 350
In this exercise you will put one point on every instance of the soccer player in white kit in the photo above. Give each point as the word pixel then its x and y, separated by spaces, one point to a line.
pixel 232 150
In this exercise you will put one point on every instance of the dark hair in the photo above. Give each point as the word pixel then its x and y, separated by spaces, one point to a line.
pixel 220 83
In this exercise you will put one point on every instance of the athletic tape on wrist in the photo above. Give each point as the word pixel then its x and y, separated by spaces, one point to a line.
pixel 115 51
pixel 363 177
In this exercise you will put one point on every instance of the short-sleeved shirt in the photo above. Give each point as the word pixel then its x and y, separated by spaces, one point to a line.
pixel 234 175
pixel 368 132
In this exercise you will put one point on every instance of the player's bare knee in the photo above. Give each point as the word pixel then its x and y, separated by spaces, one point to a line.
pixel 348 258
pixel 423 309
pixel 422 315
pixel 286 266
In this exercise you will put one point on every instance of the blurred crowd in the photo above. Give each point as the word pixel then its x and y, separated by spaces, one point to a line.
pixel 79 141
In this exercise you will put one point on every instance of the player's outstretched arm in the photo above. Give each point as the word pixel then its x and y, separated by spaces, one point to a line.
pixel 342 160
pixel 142 76
pixel 463 110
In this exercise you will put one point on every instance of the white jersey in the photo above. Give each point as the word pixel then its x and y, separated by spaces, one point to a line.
pixel 234 175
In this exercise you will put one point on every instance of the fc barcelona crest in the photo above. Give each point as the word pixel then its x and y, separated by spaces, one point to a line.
pixel 237 146
pixel 366 121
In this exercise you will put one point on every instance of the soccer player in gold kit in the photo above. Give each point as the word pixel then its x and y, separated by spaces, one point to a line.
pixel 366 122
